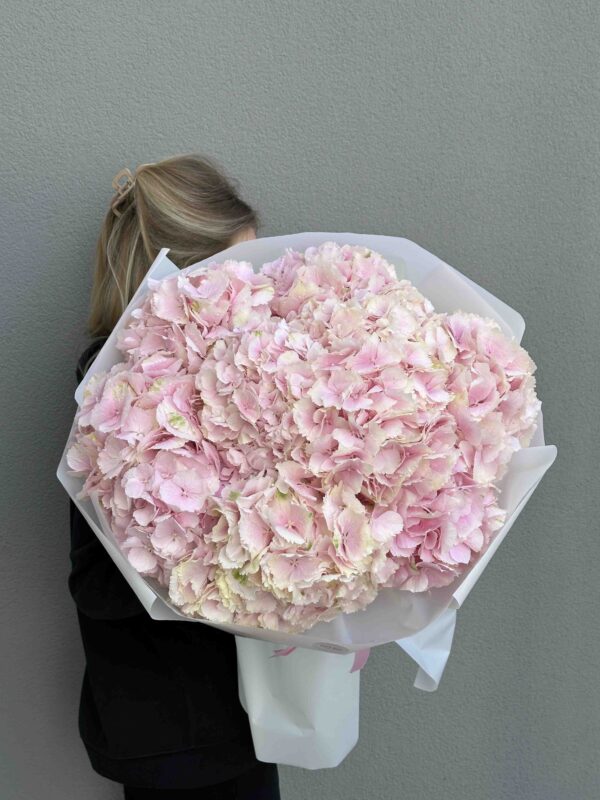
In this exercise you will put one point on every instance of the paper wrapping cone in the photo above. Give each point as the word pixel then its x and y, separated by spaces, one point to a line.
pixel 293 721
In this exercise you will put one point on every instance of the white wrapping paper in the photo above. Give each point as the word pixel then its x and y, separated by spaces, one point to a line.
pixel 304 712
pixel 304 707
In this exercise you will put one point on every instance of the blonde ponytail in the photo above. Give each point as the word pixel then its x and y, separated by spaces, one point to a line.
pixel 186 203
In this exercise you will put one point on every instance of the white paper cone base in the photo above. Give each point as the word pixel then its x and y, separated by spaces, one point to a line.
pixel 303 708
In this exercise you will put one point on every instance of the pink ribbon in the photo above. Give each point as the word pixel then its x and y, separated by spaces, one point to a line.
pixel 360 656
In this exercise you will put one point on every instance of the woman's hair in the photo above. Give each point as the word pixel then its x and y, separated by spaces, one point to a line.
pixel 186 203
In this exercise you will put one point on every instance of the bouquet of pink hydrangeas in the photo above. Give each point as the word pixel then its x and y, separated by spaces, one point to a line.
pixel 310 449
pixel 276 447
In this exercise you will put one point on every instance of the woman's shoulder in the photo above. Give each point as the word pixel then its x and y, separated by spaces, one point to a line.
pixel 88 355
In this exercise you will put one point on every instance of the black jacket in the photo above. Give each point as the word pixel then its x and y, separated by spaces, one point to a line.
pixel 159 701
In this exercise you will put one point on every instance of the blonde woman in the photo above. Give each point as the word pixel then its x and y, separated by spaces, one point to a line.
pixel 159 708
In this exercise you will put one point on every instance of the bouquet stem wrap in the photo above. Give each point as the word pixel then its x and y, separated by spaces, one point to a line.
pixel 303 712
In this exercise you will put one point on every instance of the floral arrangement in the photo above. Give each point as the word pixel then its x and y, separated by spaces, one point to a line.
pixel 277 447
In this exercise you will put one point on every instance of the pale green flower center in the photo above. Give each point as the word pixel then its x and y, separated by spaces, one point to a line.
pixel 240 576
pixel 157 385
pixel 176 420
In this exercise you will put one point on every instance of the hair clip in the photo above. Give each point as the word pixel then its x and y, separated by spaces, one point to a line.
pixel 122 183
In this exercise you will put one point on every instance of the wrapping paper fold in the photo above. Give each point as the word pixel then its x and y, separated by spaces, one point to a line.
pixel 304 707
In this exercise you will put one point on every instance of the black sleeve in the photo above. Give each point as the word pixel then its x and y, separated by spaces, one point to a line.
pixel 95 583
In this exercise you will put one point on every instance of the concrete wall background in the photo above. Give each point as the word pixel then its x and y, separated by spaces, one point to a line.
pixel 470 128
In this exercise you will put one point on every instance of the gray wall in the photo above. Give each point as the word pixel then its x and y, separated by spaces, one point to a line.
pixel 469 128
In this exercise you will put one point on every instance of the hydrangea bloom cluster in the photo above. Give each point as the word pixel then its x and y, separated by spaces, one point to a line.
pixel 278 446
